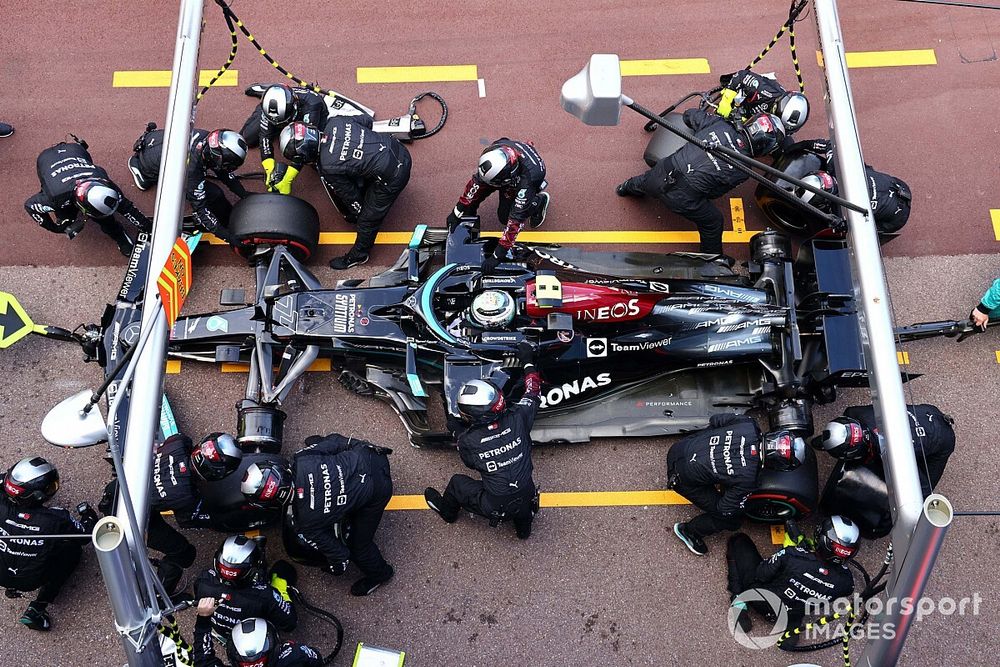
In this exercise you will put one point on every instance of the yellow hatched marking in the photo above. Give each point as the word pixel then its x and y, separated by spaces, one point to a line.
pixel 173 366
pixel 420 74
pixel 903 357
pixel 736 209
pixel 666 66
pixel 777 535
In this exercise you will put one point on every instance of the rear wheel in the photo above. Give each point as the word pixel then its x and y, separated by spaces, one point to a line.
pixel 275 220
pixel 664 142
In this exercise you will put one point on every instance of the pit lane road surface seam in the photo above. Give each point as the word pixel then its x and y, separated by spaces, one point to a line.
pixel 161 78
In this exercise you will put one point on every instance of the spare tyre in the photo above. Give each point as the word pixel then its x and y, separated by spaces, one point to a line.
pixel 275 220
pixel 782 213
pixel 664 142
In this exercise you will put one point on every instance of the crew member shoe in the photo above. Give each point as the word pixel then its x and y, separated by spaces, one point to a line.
pixel 352 258
pixel 140 181
pixel 623 190
pixel 523 532
pixel 694 543
pixel 125 245
pixel 6 130
pixel 435 501
pixel 36 618
pixel 538 217
pixel 368 585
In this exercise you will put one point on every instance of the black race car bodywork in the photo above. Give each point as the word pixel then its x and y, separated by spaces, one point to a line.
pixel 629 344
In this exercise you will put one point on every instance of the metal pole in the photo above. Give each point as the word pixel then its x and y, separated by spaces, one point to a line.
pixel 925 544
pixel 122 576
pixel 115 562
pixel 915 551
pixel 870 290
pixel 147 386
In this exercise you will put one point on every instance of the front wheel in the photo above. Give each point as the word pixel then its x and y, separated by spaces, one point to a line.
pixel 263 220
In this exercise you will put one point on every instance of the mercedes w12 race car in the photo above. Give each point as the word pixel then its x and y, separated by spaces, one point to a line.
pixel 628 343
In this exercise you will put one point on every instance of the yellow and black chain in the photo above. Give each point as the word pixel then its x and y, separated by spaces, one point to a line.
pixel 820 622
pixel 233 22
pixel 797 7
pixel 169 629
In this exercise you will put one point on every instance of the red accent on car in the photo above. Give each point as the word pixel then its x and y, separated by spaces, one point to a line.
pixel 596 303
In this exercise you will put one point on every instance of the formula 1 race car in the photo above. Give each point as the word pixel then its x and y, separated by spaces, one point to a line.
pixel 628 343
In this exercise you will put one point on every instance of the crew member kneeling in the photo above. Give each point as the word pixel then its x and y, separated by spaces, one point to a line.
pixel 37 564
pixel 342 486
pixel 727 455
pixel 495 441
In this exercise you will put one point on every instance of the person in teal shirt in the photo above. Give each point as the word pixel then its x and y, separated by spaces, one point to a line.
pixel 989 306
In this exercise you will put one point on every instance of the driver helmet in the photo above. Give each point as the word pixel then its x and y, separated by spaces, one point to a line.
pixel 279 104
pixel 492 310
pixel 499 166
pixel 238 559
pixel 793 110
pixel 837 539
pixel 299 142
pixel 822 180
pixel 31 481
pixel 267 484
pixel 782 451
pixel 764 132
pixel 216 456
pixel 96 197
pixel 480 399
pixel 225 150
pixel 252 643
pixel 845 439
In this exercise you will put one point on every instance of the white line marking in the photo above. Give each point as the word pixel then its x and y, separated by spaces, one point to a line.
pixel 482 87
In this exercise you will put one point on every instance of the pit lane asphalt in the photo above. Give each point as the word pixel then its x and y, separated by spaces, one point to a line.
pixel 594 586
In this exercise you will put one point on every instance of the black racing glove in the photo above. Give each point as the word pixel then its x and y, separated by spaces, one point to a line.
pixel 490 264
pixel 88 517
pixel 337 569
pixel 525 353
pixel 453 221
pixel 75 227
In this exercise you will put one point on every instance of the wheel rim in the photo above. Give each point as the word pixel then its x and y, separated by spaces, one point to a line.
pixel 772 510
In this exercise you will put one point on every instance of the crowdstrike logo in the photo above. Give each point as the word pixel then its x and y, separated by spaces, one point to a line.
pixel 758 597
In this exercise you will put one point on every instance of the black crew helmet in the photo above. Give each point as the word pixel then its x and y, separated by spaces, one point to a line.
pixel 479 400
pixel 837 539
pixel 782 451
pixel 31 481
pixel 238 559
pixel 216 456
pixel 252 643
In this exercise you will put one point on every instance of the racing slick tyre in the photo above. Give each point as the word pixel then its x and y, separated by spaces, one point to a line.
pixel 273 220
pixel 783 214
pixel 664 142
pixel 781 496
pixel 859 493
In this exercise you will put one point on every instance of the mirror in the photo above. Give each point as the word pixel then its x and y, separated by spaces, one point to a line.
pixel 595 94
pixel 67 426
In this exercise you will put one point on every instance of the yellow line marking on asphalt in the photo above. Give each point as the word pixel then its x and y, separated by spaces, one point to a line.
pixel 777 534
pixel 998 356
pixel 420 74
pixel 860 59
pixel 903 357
pixel 318 366
pixel 173 366
pixel 161 78
pixel 736 209
pixel 252 534
pixel 570 499
pixel 592 237
pixel 665 66
pixel 995 219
